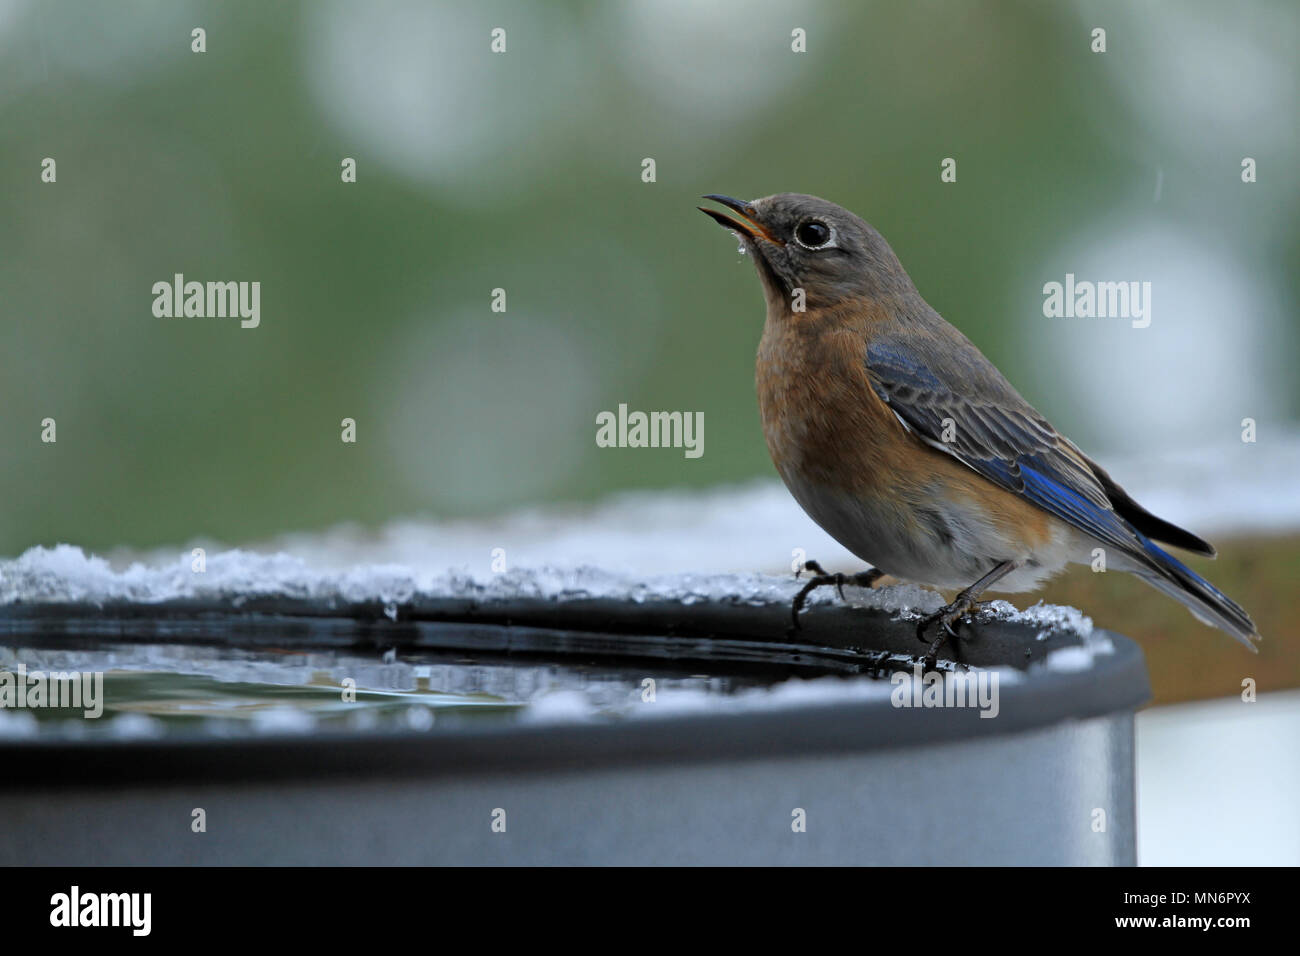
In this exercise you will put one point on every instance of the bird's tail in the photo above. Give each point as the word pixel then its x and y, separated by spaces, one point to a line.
pixel 1210 605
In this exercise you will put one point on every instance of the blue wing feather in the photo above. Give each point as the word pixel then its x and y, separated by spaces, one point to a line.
pixel 937 377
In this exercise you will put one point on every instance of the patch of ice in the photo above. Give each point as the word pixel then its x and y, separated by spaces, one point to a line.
pixel 1049 617
pixel 419 718
pixel 283 720
pixel 570 705
pixel 1069 659
pixel 1080 658
pixel 136 727
pixel 559 707
pixel 17 724
pixel 908 601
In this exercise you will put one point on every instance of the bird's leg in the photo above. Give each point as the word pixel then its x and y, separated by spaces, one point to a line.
pixel 822 578
pixel 965 601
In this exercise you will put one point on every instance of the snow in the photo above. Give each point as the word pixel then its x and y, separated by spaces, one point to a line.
pixel 18 724
pixel 1069 659
pixel 283 720
pixel 566 706
pixel 1047 617
pixel 136 727
pixel 67 574
pixel 576 706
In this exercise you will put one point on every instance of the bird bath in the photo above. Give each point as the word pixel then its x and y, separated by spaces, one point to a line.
pixel 559 718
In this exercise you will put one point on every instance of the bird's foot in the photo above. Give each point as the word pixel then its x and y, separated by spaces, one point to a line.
pixel 964 603
pixel 822 578
pixel 946 617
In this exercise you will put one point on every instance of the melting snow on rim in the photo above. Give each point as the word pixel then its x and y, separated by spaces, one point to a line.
pixel 67 574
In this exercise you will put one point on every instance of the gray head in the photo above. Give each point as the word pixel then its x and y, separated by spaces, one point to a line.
pixel 803 242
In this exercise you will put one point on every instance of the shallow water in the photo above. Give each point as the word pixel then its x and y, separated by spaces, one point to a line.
pixel 168 690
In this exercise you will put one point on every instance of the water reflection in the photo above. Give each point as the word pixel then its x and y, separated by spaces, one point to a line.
pixel 169 690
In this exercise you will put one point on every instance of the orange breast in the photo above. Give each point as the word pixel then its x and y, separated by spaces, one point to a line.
pixel 825 426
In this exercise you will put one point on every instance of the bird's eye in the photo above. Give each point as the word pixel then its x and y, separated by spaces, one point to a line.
pixel 813 234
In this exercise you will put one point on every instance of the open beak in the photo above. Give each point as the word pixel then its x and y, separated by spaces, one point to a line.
pixel 748 225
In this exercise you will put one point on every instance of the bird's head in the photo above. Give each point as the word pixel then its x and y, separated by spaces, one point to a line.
pixel 803 242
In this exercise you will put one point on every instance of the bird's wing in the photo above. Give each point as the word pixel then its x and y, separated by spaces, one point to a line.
pixel 956 401
pixel 939 377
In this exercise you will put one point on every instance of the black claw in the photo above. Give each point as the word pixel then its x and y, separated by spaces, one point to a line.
pixel 965 604
pixel 945 617
pixel 822 578
pixel 812 566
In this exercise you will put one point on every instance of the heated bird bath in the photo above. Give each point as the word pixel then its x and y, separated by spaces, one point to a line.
pixel 571 717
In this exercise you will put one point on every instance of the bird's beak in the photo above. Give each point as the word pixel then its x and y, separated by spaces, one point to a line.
pixel 749 226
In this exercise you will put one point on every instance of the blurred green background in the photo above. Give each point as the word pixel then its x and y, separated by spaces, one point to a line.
pixel 522 171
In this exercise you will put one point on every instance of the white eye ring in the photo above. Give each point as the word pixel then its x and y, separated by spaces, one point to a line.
pixel 830 240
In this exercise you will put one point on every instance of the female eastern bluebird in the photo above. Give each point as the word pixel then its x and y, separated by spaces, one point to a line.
pixel 898 437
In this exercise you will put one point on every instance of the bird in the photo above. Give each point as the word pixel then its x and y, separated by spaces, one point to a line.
pixel 898 437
